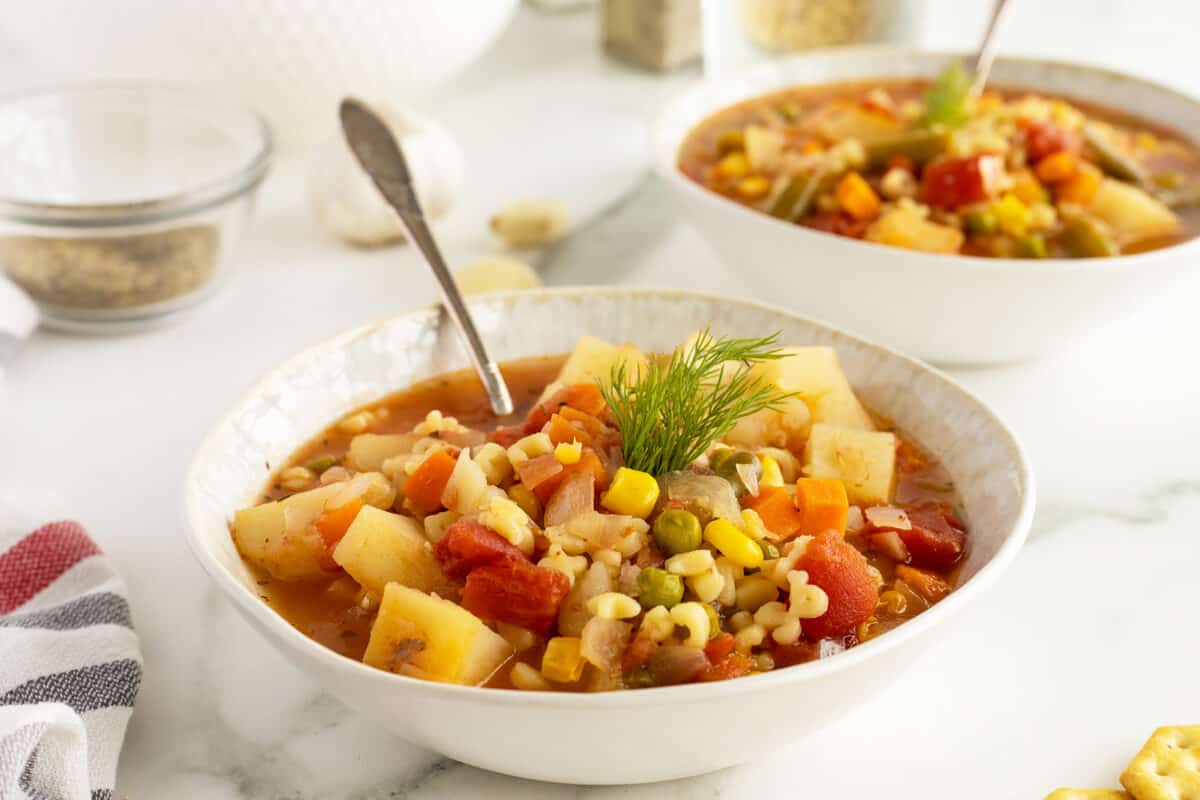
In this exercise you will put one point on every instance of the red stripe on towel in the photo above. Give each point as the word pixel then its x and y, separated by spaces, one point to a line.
pixel 39 559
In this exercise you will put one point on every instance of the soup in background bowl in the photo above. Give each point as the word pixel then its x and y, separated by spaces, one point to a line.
pixel 985 294
pixel 608 736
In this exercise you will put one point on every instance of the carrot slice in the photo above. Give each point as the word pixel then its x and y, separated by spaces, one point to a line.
pixel 926 584
pixel 334 522
pixel 777 510
pixel 425 486
pixel 823 505
pixel 561 431
pixel 590 424
pixel 585 397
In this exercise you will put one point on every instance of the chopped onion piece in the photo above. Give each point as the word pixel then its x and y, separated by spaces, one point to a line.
pixel 888 518
pixel 830 647
pixel 889 544
pixel 604 642
pixel 749 475
pixel 576 495
pixel 676 663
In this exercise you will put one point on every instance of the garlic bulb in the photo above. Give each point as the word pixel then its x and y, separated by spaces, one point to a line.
pixel 495 274
pixel 346 203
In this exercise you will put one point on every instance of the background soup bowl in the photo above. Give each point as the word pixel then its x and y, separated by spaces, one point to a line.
pixel 618 737
pixel 945 308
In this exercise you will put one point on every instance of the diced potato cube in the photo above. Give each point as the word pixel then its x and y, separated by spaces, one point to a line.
pixel 279 536
pixel 594 359
pixel 381 547
pixel 368 451
pixel 427 637
pixel 1134 214
pixel 816 376
pixel 902 227
pixel 865 461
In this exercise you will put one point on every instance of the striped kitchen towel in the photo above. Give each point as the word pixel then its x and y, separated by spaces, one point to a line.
pixel 70 666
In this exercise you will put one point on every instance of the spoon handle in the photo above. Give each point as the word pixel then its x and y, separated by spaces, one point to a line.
pixel 379 154
pixel 986 53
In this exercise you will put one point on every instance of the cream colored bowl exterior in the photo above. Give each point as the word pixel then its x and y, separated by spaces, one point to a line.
pixel 948 309
pixel 620 737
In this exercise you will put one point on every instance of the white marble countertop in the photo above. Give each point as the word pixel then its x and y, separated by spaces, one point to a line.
pixel 1053 679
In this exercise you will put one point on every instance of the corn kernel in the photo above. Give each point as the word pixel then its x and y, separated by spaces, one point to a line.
pixel 788 632
pixel 568 453
pixel 521 494
pixel 708 585
pixel 755 591
pixel 749 637
pixel 740 620
pixel 752 187
pixel 613 605
pixel 733 544
pixel 1012 215
pixel 772 475
pixel 526 677
pixel 734 165
pixel 657 624
pixel 691 563
pixel 1027 189
pixel 632 493
pixel 531 446
pixel 805 601
pixel 520 638
pixel 771 615
pixel 563 660
pixel 694 617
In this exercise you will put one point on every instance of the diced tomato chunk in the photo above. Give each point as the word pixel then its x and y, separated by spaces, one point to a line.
pixel 718 647
pixel 637 653
pixel 937 539
pixel 953 182
pixel 733 665
pixel 1045 138
pixel 469 544
pixel 789 655
pixel 517 592
pixel 508 435
pixel 837 567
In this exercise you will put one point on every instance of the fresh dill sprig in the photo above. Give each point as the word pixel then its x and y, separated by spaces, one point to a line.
pixel 670 411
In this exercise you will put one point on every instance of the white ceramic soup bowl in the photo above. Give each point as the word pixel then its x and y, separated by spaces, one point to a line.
pixel 617 737
pixel 945 308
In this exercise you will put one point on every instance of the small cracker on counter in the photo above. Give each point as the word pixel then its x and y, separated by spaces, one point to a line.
pixel 1089 794
pixel 1167 767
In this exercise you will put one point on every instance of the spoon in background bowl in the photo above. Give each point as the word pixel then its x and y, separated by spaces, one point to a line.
pixel 380 156
pixel 981 65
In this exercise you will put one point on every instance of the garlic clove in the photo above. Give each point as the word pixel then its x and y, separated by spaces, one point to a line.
pixel 346 203
pixel 531 223
pixel 495 274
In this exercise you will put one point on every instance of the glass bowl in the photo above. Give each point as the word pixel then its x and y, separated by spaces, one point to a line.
pixel 123 203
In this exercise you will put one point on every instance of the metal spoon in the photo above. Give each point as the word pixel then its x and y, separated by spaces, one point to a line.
pixel 986 54
pixel 379 154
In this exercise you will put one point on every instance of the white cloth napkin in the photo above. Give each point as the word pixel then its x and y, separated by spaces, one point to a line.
pixel 70 666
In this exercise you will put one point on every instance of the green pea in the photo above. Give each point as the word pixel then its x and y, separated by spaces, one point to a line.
pixel 714 621
pixel 981 221
pixel 657 587
pixel 725 463
pixel 768 550
pixel 677 531
pixel 321 463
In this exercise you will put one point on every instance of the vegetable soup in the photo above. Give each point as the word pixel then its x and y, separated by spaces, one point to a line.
pixel 725 510
pixel 926 166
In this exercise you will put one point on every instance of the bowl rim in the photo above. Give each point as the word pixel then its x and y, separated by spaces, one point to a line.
pixel 253 607
pixel 665 154
pixel 197 197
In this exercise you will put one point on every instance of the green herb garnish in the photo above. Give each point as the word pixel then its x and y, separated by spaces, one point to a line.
pixel 946 100
pixel 671 411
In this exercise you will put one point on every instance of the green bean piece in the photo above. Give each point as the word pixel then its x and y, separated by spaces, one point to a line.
pixel 322 463
pixel 1086 237
pixel 1112 159
pixel 981 221
pixel 714 621
pixel 657 587
pixel 725 464
pixel 797 198
pixel 768 550
pixel 677 531
pixel 1031 246
pixel 946 101
pixel 920 146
